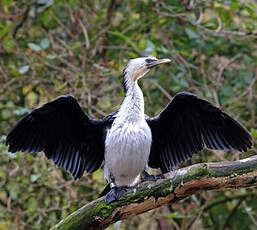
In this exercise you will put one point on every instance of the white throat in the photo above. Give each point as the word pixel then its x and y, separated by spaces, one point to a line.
pixel 132 107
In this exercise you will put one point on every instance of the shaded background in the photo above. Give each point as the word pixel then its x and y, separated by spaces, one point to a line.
pixel 49 48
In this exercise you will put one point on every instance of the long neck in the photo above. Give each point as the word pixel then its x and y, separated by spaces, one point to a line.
pixel 132 107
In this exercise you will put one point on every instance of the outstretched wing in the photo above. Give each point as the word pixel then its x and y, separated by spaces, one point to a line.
pixel 64 132
pixel 185 125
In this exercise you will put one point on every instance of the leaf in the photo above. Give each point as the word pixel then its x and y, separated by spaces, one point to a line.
pixel 34 47
pixel 9 45
pixel 34 177
pixel 150 47
pixel 24 69
pixel 11 155
pixel 75 45
pixel 20 111
pixel 26 89
pixel 3 226
pixel 51 56
pixel 4 30
pixel 6 2
pixel 191 33
pixel 254 133
pixel 45 43
pixel 126 39
pixel 31 98
pixel 42 2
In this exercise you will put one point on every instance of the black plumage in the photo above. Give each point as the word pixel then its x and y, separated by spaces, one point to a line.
pixel 77 143
pixel 65 133
pixel 185 125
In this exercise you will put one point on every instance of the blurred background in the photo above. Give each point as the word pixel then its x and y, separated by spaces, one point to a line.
pixel 54 47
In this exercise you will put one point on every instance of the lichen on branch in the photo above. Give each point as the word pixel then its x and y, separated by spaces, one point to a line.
pixel 177 185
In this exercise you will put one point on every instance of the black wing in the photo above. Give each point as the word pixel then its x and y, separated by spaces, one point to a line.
pixel 183 127
pixel 65 133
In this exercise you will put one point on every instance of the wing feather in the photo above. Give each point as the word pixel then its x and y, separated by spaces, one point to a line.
pixel 186 125
pixel 65 133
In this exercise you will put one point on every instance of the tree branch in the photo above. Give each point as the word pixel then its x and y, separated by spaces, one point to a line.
pixel 178 185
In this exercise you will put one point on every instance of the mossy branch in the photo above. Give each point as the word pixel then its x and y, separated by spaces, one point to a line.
pixel 178 185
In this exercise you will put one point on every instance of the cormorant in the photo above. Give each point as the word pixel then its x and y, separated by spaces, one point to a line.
pixel 127 140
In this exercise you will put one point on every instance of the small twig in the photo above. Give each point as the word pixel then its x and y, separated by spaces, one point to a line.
pixel 112 6
pixel 20 24
pixel 84 29
pixel 162 89
pixel 220 25
pixel 3 73
pixel 253 219
pixel 118 47
pixel 65 45
pixel 199 214
pixel 101 32
pixel 223 68
pixel 216 98
pixel 67 63
pixel 63 26
pixel 227 199
pixel 99 111
pixel 247 90
pixel 232 213
pixel 9 204
pixel 190 5
pixel 187 19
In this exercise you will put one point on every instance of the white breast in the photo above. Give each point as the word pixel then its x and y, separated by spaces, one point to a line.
pixel 128 142
pixel 127 149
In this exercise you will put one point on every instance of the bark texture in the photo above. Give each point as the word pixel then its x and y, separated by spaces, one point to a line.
pixel 178 185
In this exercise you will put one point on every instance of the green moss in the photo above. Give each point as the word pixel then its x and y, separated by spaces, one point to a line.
pixel 102 209
pixel 237 170
pixel 202 170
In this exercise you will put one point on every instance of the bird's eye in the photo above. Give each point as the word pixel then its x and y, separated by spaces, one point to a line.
pixel 149 60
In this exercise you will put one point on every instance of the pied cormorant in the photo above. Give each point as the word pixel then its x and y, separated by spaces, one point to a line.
pixel 127 140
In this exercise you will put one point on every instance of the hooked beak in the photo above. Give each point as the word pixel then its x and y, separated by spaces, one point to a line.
pixel 157 62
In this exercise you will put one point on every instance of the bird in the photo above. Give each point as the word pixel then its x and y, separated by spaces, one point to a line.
pixel 127 142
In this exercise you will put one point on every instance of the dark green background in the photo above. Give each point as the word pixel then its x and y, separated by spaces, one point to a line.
pixel 49 48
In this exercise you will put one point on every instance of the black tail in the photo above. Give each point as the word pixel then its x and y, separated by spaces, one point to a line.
pixel 105 191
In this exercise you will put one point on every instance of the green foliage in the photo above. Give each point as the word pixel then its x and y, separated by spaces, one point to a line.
pixel 49 48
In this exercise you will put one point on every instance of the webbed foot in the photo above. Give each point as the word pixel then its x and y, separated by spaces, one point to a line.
pixel 115 194
pixel 153 177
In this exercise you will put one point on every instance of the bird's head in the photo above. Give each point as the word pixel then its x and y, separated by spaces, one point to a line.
pixel 138 67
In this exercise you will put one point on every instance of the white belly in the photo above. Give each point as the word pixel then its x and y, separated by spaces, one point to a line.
pixel 127 149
